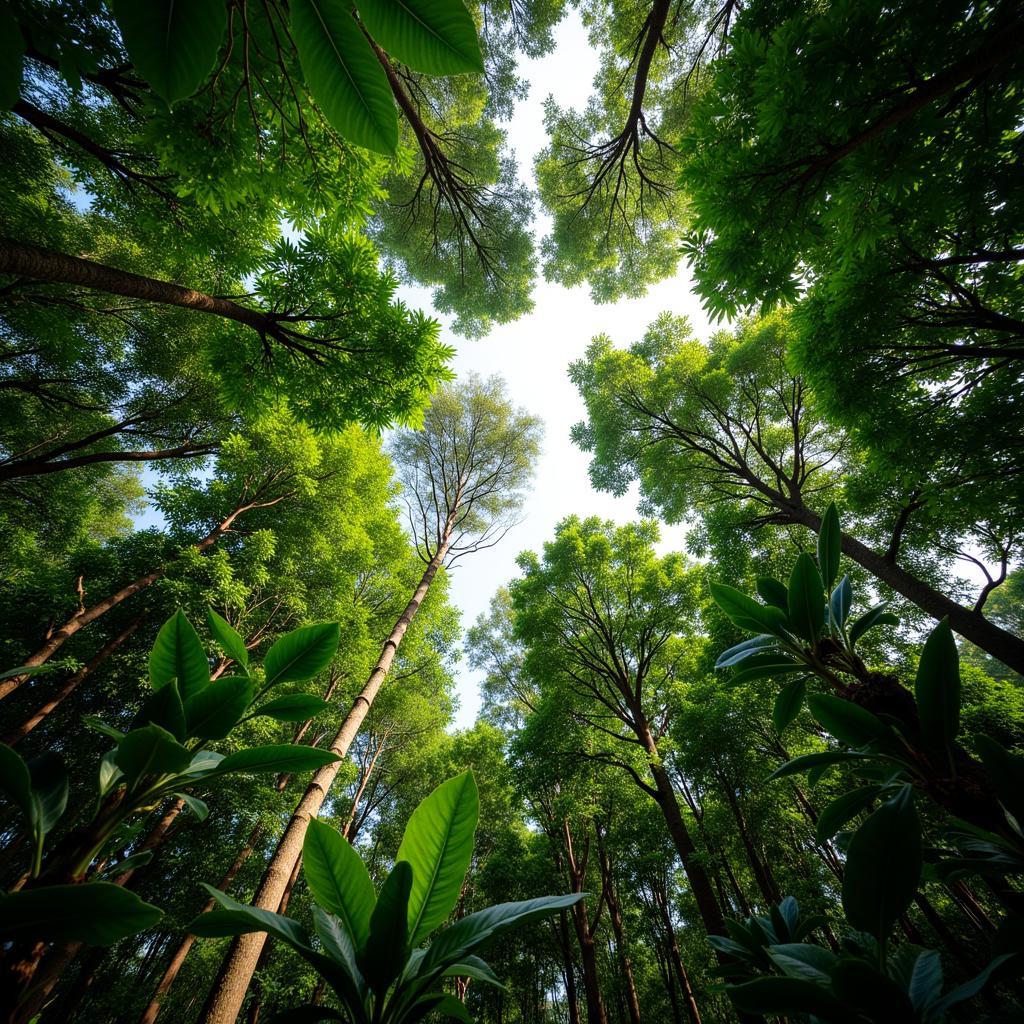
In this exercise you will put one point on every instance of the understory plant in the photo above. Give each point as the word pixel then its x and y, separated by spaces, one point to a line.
pixel 63 896
pixel 368 944
pixel 898 746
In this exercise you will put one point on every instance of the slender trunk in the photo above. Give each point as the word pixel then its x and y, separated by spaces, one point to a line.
pixel 588 961
pixel 178 959
pixel 759 868
pixel 18 734
pixel 690 1000
pixel 228 992
pixel 568 969
pixel 615 914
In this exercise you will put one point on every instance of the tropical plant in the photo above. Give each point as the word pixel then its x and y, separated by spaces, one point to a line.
pixel 370 950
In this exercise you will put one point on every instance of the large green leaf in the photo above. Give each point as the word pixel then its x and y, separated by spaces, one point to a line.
pixel 178 654
pixel 937 687
pixel 806 762
pixel 96 913
pixel 920 973
pixel 877 996
pixel 764 666
pixel 150 751
pixel 277 757
pixel 163 707
pixel 49 789
pixel 293 707
pixel 771 995
pixel 883 866
pixel 841 602
pixel 876 616
pixel 301 654
pixel 806 599
pixel 843 809
pixel 475 968
pixel 338 879
pixel 337 944
pixel 1006 770
pixel 756 644
pixel 746 613
pixel 344 74
pixel 212 713
pixel 173 43
pixel 437 37
pixel 230 641
pixel 829 546
pixel 384 956
pixel 16 782
pixel 438 845
pixel 788 704
pixel 771 591
pixel 847 721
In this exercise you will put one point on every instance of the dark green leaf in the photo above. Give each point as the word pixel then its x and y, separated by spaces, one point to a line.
pixel 770 995
pixel 195 805
pixel 31 670
pixel 277 757
pixel 344 74
pixel 96 913
pixel 136 860
pixel 301 654
pixel 173 43
pixel 825 759
pixel 841 601
pixel 848 722
pixel 384 956
pixel 178 654
pixel 860 985
pixel 225 634
pixel 771 591
pixel 883 866
pixel 829 546
pixel 150 751
pixel 920 973
pixel 49 790
pixel 212 713
pixel 937 687
pixel 164 708
pixel 337 944
pixel 293 707
pixel 16 782
pixel 788 704
pixel 12 49
pixel 746 649
pixel 806 599
pixel 475 968
pixel 338 879
pixel 843 809
pixel 803 960
pixel 876 616
pixel 764 666
pixel 969 989
pixel 1006 772
pixel 434 36
pixel 450 1006
pixel 438 845
pixel 98 725
pixel 746 613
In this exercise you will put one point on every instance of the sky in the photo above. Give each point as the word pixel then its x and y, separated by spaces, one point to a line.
pixel 533 355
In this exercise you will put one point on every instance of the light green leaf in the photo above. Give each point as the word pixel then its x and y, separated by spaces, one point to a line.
pixel 338 879
pixel 277 757
pixel 293 707
pixel 212 713
pixel 230 641
pixel 301 654
pixel 178 654
pixel 437 37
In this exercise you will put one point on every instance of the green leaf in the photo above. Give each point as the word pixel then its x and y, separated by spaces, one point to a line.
pixel 277 757
pixel 937 687
pixel 31 670
pixel 1006 772
pixel 969 989
pixel 195 805
pixel 843 809
pixel 293 707
pixel 829 538
pixel 173 43
pixel 438 844
pixel 178 654
pixel 437 37
pixel 737 653
pixel 859 984
pixel 746 613
pixel 450 1006
pixel 136 860
pixel 384 956
pixel 803 960
pixel 771 995
pixel 338 879
pixel 841 601
pixel 150 751
pixel 98 725
pixel 806 599
pixel 876 616
pixel 475 968
pixel 230 641
pixel 764 666
pixel 301 654
pixel 12 49
pixel 848 722
pixel 212 713
pixel 883 866
pixel 49 790
pixel 96 913
pixel 163 708
pixel 344 75
pixel 825 759
pixel 920 971
pixel 16 782
pixel 109 773
pixel 788 704
pixel 337 943
pixel 771 591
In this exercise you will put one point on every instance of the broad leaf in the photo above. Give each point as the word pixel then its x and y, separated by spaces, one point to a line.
pixel 825 759
pixel 969 989
pixel 16 782
pixel 771 591
pixel 883 866
pixel 96 913
pixel 173 43
pixel 806 599
pixel 876 616
pixel 841 601
pixel 150 751
pixel 178 654
pixel 788 704
pixel 771 995
pixel 49 790
pixel 195 805
pixel 438 845
pixel 475 968
pixel 277 757
pixel 437 37
pixel 338 879
pixel 937 687
pixel 164 708
pixel 848 722
pixel 746 613
pixel 384 956
pixel 293 707
pixel 829 546
pixel 862 986
pixel 920 973
pixel 803 960
pixel 1006 771
pixel 230 641
pixel 337 944
pixel 746 649
pixel 212 713
pixel 301 654
pixel 764 666
pixel 344 74
pixel 843 809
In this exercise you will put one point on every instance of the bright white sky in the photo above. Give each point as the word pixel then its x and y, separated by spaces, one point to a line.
pixel 533 354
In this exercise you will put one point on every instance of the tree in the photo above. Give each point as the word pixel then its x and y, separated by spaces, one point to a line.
pixel 731 423
pixel 465 474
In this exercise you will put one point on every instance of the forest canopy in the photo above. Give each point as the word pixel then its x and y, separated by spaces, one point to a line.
pixel 329 693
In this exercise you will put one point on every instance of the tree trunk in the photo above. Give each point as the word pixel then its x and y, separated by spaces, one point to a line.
pixel 762 874
pixel 568 970
pixel 689 999
pixel 615 914
pixel 228 992
pixel 588 961
pixel 15 736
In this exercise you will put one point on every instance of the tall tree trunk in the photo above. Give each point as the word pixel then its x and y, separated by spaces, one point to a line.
pixel 17 735
pixel 682 977
pixel 615 915
pixel 568 969
pixel 228 992
pixel 588 961
pixel 758 866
